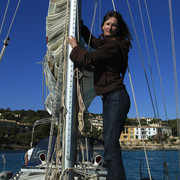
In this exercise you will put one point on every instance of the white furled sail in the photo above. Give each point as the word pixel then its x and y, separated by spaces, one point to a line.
pixel 55 22
pixel 55 27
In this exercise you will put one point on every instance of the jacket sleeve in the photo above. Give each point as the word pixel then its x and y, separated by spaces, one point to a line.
pixel 80 56
pixel 105 52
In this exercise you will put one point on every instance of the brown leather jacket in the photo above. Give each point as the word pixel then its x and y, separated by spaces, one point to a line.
pixel 107 59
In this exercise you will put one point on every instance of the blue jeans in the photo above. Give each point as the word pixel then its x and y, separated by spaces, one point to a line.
pixel 115 108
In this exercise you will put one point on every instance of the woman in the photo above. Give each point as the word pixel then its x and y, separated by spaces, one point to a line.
pixel 110 63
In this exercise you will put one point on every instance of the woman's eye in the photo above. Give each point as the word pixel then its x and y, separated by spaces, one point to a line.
pixel 114 25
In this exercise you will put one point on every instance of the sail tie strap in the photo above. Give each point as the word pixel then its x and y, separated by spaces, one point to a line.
pixel 82 108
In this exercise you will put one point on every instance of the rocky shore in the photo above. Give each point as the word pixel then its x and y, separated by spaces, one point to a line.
pixel 150 147
pixel 125 145
pixel 138 145
pixel 13 147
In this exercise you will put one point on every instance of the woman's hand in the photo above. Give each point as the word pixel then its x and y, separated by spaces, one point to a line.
pixel 72 41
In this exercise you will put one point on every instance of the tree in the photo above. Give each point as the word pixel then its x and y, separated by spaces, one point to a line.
pixel 173 124
pixel 131 122
pixel 8 115
pixel 154 121
pixel 2 136
pixel 96 133
pixel 143 122
pixel 8 110
pixel 22 112
pixel 2 110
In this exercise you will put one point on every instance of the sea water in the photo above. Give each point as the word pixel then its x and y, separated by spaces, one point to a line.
pixel 156 160
pixel 132 162
pixel 12 160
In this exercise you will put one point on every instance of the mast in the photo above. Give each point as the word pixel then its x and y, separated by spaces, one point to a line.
pixel 70 97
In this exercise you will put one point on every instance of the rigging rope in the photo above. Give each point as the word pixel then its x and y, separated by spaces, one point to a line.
pixel 156 58
pixel 113 5
pixel 4 16
pixel 6 41
pixel 153 84
pixel 148 56
pixel 141 58
pixel 133 91
pixel 139 123
pixel 174 60
pixel 13 18
pixel 175 76
pixel 99 16
pixel 92 24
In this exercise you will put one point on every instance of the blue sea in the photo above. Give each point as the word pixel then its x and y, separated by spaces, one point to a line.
pixel 131 161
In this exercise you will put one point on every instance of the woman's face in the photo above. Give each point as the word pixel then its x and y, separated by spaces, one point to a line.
pixel 110 27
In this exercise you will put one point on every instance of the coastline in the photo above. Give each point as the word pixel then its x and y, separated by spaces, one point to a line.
pixel 124 146
pixel 13 147
pixel 151 147
pixel 138 145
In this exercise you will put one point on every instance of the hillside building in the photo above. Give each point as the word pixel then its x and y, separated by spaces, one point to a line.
pixel 10 125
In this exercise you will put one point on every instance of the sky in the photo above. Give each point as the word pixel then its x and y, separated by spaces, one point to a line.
pixel 21 70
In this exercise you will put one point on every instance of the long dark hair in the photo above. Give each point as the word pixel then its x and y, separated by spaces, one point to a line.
pixel 123 33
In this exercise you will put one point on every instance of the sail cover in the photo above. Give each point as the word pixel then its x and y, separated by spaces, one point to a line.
pixel 53 65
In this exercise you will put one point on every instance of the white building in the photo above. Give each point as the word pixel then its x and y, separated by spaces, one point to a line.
pixel 145 131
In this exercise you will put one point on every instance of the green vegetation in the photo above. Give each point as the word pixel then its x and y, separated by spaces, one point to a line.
pixel 89 130
pixel 28 117
pixel 15 137
pixel 23 116
pixel 131 122
pixel 173 124
pixel 41 131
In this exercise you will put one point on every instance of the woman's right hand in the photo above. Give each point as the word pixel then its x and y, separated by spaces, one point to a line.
pixel 72 41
